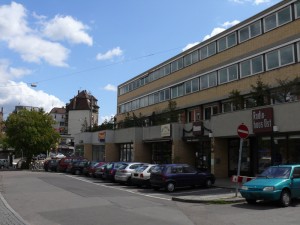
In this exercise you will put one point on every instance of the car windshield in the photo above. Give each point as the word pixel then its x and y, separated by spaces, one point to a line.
pixel 276 172
pixel 157 169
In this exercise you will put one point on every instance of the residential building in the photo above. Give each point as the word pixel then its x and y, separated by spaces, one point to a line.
pixel 81 113
pixel 189 107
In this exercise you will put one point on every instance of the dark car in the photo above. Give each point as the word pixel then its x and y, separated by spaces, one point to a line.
pixel 91 169
pixel 99 172
pixel 110 170
pixel 52 165
pixel 172 176
pixel 64 162
pixel 77 166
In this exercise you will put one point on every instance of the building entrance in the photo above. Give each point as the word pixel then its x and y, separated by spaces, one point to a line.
pixel 161 152
pixel 202 155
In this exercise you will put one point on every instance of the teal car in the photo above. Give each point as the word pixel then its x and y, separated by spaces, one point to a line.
pixel 277 183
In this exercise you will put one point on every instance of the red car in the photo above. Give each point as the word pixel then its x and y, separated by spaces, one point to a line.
pixel 92 168
pixel 64 162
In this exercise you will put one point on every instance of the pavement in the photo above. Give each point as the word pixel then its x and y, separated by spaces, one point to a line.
pixel 230 197
pixel 10 217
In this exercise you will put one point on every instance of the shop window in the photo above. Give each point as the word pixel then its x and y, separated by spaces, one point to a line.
pixel 294 146
pixel 126 152
pixel 234 145
pixel 226 107
pixel 264 153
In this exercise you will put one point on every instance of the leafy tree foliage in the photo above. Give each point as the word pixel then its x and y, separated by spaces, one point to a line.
pixel 236 99
pixel 287 89
pixel 261 92
pixel 31 132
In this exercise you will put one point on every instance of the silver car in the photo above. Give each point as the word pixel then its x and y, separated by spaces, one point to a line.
pixel 123 173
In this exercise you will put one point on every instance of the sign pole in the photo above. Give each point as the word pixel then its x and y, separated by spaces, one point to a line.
pixel 243 133
pixel 239 166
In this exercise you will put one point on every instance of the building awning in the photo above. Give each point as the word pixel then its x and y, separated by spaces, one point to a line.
pixel 157 140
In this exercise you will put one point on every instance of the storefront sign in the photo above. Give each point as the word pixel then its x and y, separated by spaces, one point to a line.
pixel 165 130
pixel 101 136
pixel 197 129
pixel 262 120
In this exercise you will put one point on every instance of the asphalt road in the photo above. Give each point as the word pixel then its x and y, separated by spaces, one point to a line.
pixel 59 199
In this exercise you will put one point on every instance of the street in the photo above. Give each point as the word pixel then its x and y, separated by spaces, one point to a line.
pixel 42 198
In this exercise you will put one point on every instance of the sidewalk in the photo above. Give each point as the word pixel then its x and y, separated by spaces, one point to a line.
pixel 215 198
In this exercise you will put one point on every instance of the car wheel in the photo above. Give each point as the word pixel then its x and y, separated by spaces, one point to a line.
pixel 170 187
pixel 285 198
pixel 251 201
pixel 208 183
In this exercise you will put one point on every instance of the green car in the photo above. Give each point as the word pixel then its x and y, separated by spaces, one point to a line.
pixel 277 183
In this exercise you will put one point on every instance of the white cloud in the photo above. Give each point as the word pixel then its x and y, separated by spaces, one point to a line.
pixel 67 28
pixel 110 54
pixel 34 49
pixel 190 46
pixel 7 72
pixel 255 2
pixel 223 27
pixel 110 87
pixel 13 94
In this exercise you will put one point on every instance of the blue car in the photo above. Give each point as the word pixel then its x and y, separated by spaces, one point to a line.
pixel 277 183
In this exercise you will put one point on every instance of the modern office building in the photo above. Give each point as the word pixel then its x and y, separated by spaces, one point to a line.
pixel 189 107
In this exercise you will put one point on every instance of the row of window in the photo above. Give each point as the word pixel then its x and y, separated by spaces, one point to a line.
pixel 258 64
pixel 268 23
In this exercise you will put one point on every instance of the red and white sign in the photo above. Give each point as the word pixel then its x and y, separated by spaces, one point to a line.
pixel 243 131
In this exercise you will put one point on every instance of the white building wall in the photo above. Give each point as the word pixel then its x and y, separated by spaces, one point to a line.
pixel 76 119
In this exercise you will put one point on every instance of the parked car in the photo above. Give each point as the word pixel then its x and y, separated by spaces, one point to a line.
pixel 64 162
pixel 172 176
pixel 4 163
pixel 276 183
pixel 141 175
pixel 91 170
pixel 110 170
pixel 87 167
pixel 99 171
pixel 46 164
pixel 123 173
pixel 52 164
pixel 76 167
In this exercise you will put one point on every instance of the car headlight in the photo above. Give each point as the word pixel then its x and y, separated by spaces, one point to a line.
pixel 245 188
pixel 269 189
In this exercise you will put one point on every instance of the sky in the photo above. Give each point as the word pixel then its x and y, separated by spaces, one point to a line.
pixel 51 49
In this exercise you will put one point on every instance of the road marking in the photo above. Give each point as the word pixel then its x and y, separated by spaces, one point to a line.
pixel 117 188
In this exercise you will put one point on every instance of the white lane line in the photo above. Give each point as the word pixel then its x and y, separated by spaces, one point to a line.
pixel 117 188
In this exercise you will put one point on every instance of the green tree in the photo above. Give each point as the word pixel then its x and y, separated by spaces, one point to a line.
pixel 287 89
pixel 261 92
pixel 31 132
pixel 236 99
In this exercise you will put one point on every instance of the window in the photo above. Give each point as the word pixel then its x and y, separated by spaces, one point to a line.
pixel 281 57
pixel 297 9
pixel 208 50
pixel 228 74
pixel 227 42
pixel 126 152
pixel 195 56
pixel 298 45
pixel 151 99
pixel 177 65
pixel 226 107
pixel 156 97
pixel 164 95
pixel 195 84
pixel 144 101
pixel 277 19
pixel 208 80
pixel 188 59
pixel 251 66
pixel 250 31
pixel 188 87
pixel 209 111
pixel 177 91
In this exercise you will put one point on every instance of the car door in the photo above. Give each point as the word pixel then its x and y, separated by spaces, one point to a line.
pixel 295 187
pixel 190 176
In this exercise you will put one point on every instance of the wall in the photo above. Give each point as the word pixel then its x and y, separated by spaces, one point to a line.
pixel 76 119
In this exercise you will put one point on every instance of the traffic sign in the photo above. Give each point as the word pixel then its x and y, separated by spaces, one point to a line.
pixel 243 131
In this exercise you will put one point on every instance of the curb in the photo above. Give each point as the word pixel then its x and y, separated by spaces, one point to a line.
pixel 220 200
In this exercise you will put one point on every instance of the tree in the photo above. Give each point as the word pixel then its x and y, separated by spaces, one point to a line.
pixel 31 132
pixel 236 99
pixel 287 89
pixel 260 92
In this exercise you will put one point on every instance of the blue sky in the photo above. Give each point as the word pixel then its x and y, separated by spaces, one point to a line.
pixel 64 46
